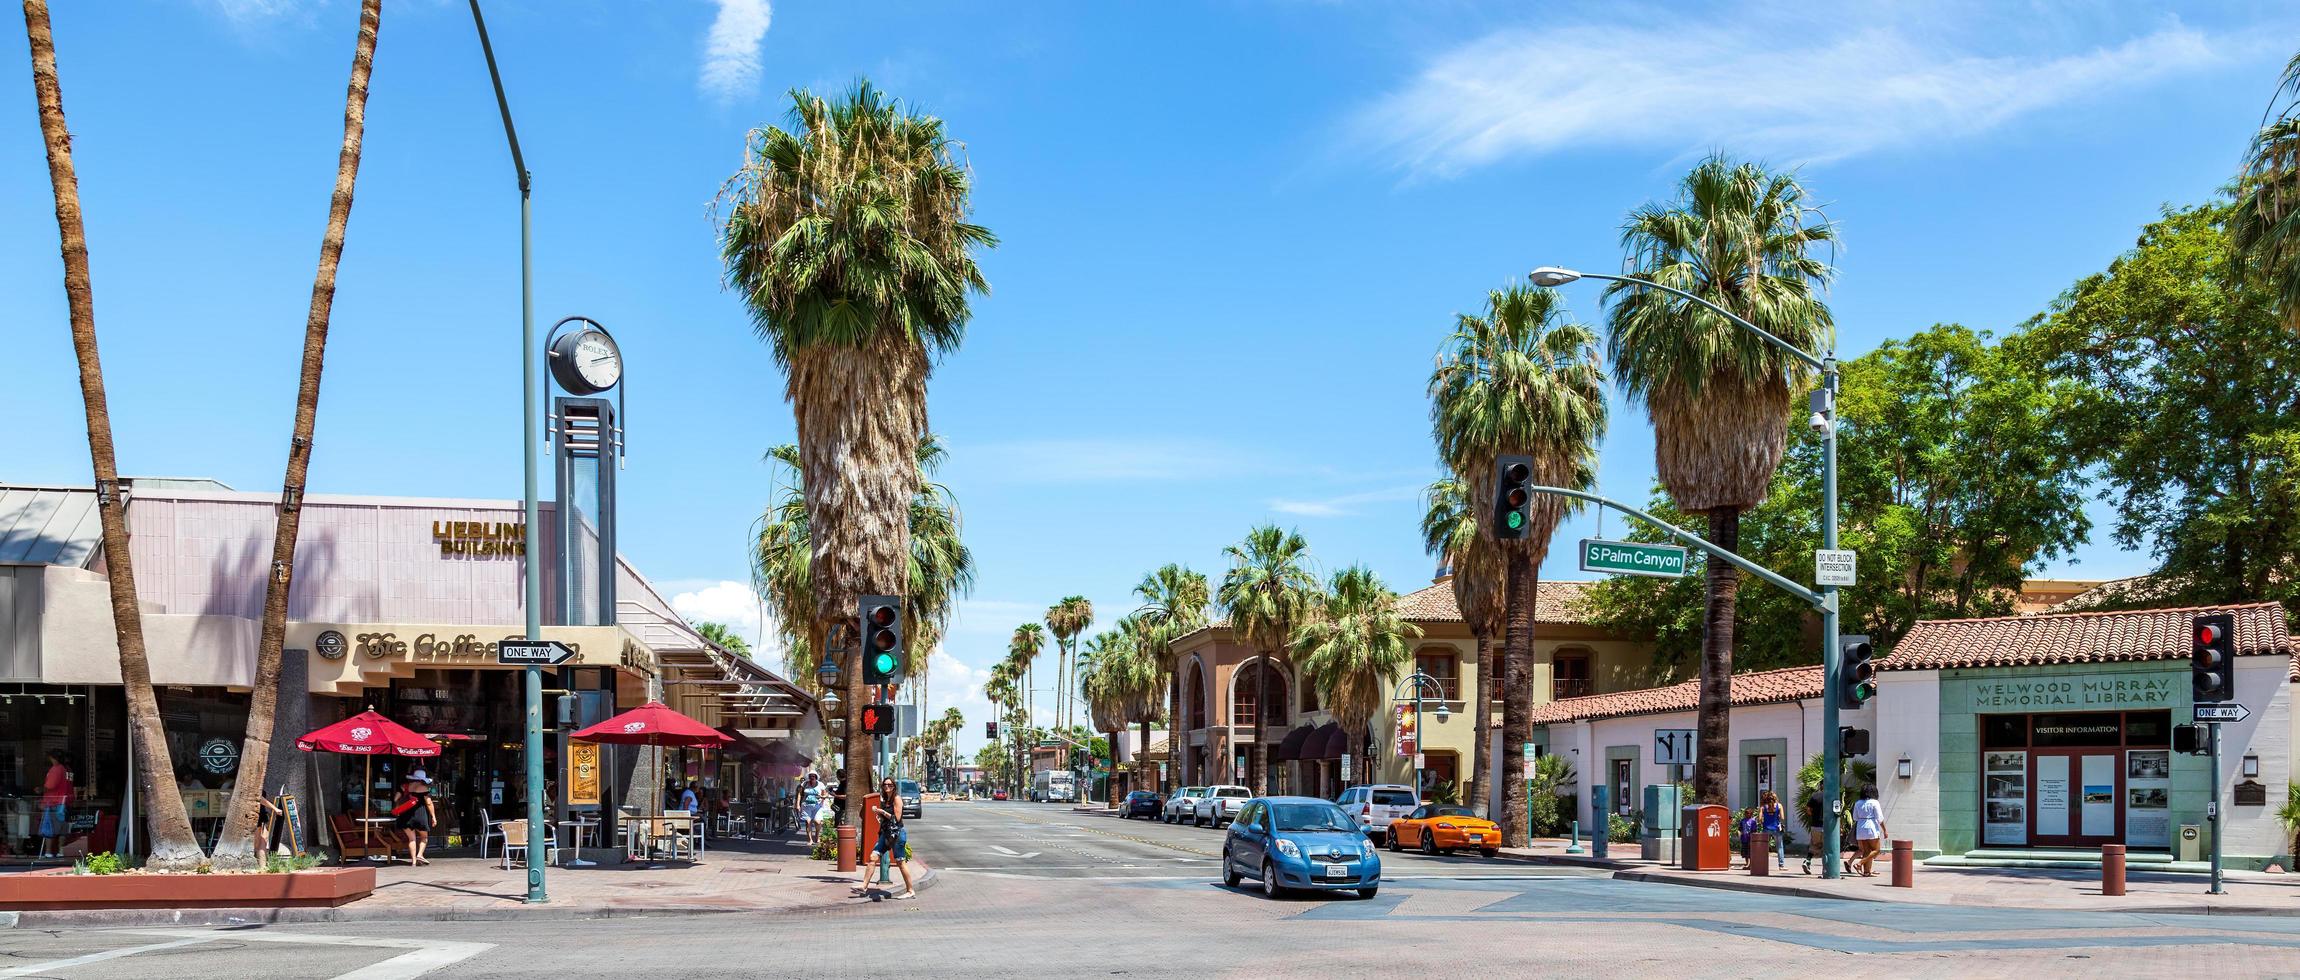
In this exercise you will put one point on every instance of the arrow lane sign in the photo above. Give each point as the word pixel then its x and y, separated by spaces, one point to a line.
pixel 2222 712
pixel 545 653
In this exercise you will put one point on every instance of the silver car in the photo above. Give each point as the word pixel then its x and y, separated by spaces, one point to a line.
pixel 1220 805
pixel 1182 805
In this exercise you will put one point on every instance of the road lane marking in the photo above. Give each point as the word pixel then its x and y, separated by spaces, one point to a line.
pixel 109 954
pixel 422 956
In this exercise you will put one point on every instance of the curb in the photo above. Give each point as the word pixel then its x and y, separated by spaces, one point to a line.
pixel 1738 883
pixel 1567 861
pixel 1733 885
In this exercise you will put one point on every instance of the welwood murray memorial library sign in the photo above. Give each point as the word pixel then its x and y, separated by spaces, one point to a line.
pixel 2151 690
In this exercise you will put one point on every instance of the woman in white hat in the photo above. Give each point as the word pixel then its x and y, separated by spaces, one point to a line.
pixel 416 814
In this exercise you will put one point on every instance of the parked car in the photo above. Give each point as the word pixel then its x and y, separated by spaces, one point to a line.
pixel 1289 842
pixel 1375 805
pixel 912 802
pixel 1437 829
pixel 1182 806
pixel 999 795
pixel 1141 803
pixel 1220 805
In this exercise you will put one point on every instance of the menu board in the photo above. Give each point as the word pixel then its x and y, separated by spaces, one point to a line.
pixel 2148 798
pixel 2004 798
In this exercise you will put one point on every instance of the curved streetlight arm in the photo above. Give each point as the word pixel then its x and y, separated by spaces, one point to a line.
pixel 1818 363
pixel 1418 680
pixel 1816 599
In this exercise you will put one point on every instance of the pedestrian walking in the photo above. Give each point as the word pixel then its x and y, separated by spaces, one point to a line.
pixel 55 803
pixel 415 813
pixel 1774 821
pixel 892 841
pixel 1869 829
pixel 1812 818
pixel 811 804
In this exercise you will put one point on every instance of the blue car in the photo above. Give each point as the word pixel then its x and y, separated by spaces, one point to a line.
pixel 1299 842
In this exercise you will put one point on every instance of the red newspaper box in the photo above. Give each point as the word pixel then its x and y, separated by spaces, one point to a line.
pixel 1703 842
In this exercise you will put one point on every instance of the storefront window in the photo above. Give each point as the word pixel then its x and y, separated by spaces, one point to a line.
pixel 2004 731
pixel 80 809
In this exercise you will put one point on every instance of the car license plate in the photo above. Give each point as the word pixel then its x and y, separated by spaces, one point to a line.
pixel 1337 871
pixel 1477 838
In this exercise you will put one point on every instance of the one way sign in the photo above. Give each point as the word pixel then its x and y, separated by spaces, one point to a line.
pixel 542 653
pixel 2230 711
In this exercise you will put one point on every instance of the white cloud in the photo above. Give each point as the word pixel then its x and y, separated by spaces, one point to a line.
pixel 248 10
pixel 731 50
pixel 734 604
pixel 1345 504
pixel 1752 81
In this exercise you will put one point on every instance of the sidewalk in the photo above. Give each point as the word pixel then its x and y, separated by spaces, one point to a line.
pixel 2249 892
pixel 734 876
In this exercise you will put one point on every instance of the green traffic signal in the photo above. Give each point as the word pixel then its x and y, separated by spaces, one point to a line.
pixel 886 663
pixel 1516 520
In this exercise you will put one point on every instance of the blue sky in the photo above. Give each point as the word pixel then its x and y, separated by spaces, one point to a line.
pixel 1234 234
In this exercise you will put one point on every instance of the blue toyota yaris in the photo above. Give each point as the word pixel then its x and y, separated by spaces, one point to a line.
pixel 1289 842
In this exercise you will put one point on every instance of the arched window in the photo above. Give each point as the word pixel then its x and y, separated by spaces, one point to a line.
pixel 1194 697
pixel 1246 687
pixel 1443 665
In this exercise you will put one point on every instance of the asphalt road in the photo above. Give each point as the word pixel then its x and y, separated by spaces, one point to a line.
pixel 1083 895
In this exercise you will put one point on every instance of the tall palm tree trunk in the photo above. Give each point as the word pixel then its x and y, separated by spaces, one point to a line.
pixel 1517 695
pixel 1473 795
pixel 1261 723
pixel 1715 715
pixel 174 846
pixel 235 848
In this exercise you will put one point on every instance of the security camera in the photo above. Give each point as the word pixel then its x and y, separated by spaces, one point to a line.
pixel 1819 422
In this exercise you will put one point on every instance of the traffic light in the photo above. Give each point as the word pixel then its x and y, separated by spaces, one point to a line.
pixel 1512 497
pixel 2189 739
pixel 883 657
pixel 1856 672
pixel 1852 742
pixel 2210 659
pixel 878 719
pixel 990 730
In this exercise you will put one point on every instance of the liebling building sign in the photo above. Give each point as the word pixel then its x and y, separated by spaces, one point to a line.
pixel 2104 691
pixel 479 539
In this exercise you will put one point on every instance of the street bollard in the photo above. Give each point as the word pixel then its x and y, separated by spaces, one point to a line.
pixel 2112 869
pixel 1760 855
pixel 1575 847
pixel 1904 864
pixel 846 849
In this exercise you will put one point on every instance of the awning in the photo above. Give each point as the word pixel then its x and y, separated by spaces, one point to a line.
pixel 1291 749
pixel 1328 742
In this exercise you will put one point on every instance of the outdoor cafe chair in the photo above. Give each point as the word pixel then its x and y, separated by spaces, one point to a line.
pixel 515 839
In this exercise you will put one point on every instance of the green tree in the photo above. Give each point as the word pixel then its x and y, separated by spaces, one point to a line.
pixel 2191 406
pixel 725 636
pixel 1023 648
pixel 1719 396
pixel 1355 651
pixel 2265 227
pixel 1268 592
pixel 1067 620
pixel 846 235
pixel 1521 379
pixel 1174 601
pixel 1451 532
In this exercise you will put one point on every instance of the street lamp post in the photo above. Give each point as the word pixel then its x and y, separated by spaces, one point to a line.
pixel 1824 420
pixel 1419 682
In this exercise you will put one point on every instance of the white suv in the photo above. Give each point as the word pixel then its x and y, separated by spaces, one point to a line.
pixel 1374 806
pixel 1182 805
pixel 1220 805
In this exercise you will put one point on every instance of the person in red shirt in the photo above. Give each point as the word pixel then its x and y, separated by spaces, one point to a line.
pixel 55 799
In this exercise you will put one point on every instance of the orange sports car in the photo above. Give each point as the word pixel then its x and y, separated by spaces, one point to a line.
pixel 1438 829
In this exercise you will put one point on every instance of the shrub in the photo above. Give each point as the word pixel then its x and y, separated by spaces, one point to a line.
pixel 826 844
pixel 1622 828
pixel 1547 812
pixel 106 863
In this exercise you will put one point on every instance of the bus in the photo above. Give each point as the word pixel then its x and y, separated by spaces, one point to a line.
pixel 1054 786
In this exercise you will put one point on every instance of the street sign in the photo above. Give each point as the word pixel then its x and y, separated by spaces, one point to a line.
pixel 1632 558
pixel 2224 711
pixel 906 720
pixel 1531 754
pixel 1345 767
pixel 1834 567
pixel 1673 746
pixel 542 653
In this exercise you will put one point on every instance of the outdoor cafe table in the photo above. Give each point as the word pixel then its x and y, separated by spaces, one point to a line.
pixel 577 829
pixel 367 828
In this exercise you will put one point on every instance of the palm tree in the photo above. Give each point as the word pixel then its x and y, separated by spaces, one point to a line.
pixel 724 636
pixel 235 847
pixel 2266 227
pixel 174 846
pixel 1067 620
pixel 998 688
pixel 1023 649
pixel 1174 602
pixel 847 237
pixel 1521 379
pixel 1105 683
pixel 1719 396
pixel 1354 650
pixel 1268 592
pixel 1450 532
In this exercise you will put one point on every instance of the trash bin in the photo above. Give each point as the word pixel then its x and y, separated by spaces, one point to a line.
pixel 1703 844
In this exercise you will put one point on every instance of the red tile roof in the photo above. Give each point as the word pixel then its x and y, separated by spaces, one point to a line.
pixel 1759 687
pixel 1553 602
pixel 2084 637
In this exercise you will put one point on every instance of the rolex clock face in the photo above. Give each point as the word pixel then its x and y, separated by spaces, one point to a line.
pixel 586 361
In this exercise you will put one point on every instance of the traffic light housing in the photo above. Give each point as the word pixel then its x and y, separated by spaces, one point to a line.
pixel 990 730
pixel 884 660
pixel 1856 672
pixel 2212 659
pixel 2189 739
pixel 1852 742
pixel 878 719
pixel 1512 497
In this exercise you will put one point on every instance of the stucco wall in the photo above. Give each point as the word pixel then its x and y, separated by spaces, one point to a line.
pixel 1792 730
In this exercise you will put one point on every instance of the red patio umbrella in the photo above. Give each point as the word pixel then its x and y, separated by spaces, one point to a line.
pixel 653 723
pixel 368 734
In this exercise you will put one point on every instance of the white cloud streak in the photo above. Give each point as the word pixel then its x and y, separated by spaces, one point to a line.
pixel 731 49
pixel 1344 505
pixel 1746 83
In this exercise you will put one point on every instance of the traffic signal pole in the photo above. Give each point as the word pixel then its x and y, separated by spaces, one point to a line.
pixel 1832 644
pixel 2212 815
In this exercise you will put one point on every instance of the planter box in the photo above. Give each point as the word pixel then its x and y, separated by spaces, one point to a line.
pixel 60 889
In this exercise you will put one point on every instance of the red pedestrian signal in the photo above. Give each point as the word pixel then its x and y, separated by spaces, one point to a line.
pixel 878 719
